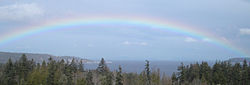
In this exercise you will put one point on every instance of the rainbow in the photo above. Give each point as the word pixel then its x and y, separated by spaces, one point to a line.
pixel 154 23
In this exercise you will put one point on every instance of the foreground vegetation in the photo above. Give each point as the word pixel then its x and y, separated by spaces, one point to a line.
pixel 221 73
pixel 27 72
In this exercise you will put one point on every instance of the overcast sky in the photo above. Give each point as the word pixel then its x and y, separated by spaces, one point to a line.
pixel 228 19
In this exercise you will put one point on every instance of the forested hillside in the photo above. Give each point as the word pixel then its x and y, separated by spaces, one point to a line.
pixel 38 58
pixel 61 72
pixel 222 73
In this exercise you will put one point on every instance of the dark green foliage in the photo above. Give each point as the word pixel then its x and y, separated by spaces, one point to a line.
pixel 218 73
pixel 68 71
pixel 155 77
pixel 119 77
pixel 107 79
pixel 9 74
pixel 236 74
pixel 52 71
pixel 193 72
pixel 205 72
pixel 81 81
pixel 73 65
pixel 102 67
pixel 80 66
pixel 23 67
pixel 89 78
pixel 174 79
pixel 27 72
pixel 182 73
pixel 222 73
pixel 147 70
pixel 130 78
pixel 244 74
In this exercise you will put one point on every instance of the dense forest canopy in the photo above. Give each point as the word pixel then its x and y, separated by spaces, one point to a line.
pixel 61 72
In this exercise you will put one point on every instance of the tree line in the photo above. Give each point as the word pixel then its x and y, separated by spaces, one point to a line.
pixel 28 72
pixel 221 73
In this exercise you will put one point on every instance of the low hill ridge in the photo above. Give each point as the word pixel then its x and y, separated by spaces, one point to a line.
pixel 4 56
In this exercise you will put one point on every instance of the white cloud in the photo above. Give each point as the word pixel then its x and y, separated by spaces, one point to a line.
pixel 134 43
pixel 126 43
pixel 206 40
pixel 20 11
pixel 245 31
pixel 189 39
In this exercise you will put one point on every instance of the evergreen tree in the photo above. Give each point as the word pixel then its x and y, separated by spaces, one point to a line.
pixel 244 73
pixel 102 67
pixel 32 64
pixel 147 70
pixel 51 69
pixel 224 72
pixel 9 73
pixel 248 70
pixel 181 73
pixel 73 65
pixel 218 75
pixel 81 65
pixel 62 65
pixel 205 73
pixel 193 72
pixel 236 74
pixel 43 64
pixel 23 68
pixel 26 72
pixel 107 79
pixel 174 79
pixel 229 73
pixel 73 68
pixel 89 78
pixel 36 77
pixel 119 78
pixel 68 71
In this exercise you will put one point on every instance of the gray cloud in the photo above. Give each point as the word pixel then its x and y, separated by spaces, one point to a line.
pixel 134 43
pixel 189 39
pixel 20 11
pixel 245 31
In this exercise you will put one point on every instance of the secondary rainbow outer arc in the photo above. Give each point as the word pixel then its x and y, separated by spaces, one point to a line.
pixel 67 23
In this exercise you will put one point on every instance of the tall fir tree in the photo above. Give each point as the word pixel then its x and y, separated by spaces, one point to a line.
pixel 73 65
pixel 181 73
pixel 236 74
pixel 23 69
pixel 51 70
pixel 119 77
pixel 102 67
pixel 217 73
pixel 205 73
pixel 193 72
pixel 81 66
pixel 9 74
pixel 147 70
pixel 244 73
pixel 68 71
